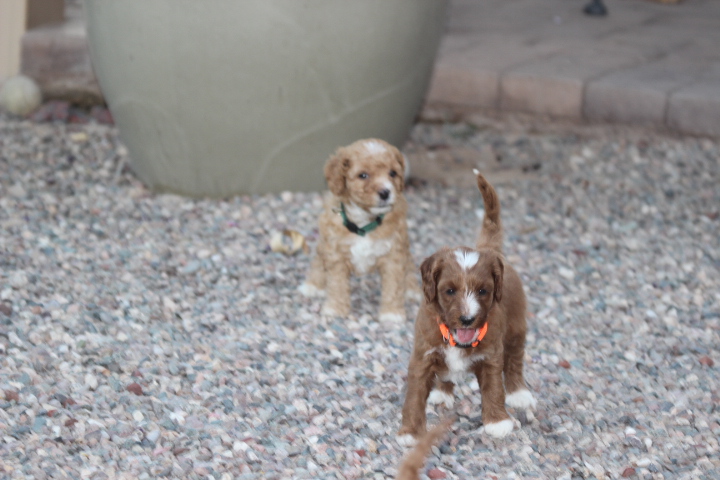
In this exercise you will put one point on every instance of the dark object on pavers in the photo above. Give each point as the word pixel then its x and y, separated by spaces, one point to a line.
pixel 596 8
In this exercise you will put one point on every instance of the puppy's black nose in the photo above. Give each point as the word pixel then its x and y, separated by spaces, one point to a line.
pixel 384 194
pixel 466 320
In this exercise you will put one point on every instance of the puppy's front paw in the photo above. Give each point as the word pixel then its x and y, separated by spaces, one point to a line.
pixel 335 309
pixel 309 290
pixel 499 429
pixel 406 440
pixel 521 399
pixel 392 317
pixel 438 396
pixel 330 311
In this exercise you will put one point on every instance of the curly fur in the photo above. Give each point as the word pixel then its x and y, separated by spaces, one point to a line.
pixel 358 177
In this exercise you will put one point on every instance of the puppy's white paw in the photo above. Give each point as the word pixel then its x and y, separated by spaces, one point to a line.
pixel 328 311
pixel 522 398
pixel 309 290
pixel 438 396
pixel 499 429
pixel 391 318
pixel 406 440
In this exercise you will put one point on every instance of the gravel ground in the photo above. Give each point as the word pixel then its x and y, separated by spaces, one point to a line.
pixel 146 336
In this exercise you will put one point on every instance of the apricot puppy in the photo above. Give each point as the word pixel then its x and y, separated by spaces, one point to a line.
pixel 472 319
pixel 363 229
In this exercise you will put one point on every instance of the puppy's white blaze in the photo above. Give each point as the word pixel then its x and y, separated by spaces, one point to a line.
pixel 471 304
pixel 309 290
pixel 329 311
pixel 458 364
pixel 522 398
pixel 499 429
pixel 358 215
pixel 374 147
pixel 392 317
pixel 365 252
pixel 456 361
pixel 388 184
pixel 406 440
pixel 438 396
pixel 466 260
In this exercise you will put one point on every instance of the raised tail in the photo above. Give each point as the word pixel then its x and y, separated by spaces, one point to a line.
pixel 410 468
pixel 491 235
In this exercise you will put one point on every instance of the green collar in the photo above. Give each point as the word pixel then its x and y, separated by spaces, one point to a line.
pixel 357 230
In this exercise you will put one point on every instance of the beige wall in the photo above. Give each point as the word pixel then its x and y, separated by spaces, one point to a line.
pixel 12 26
pixel 15 17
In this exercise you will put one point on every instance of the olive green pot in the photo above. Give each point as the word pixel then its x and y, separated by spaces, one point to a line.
pixel 223 97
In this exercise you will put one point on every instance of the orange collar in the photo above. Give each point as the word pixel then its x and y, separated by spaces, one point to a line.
pixel 445 331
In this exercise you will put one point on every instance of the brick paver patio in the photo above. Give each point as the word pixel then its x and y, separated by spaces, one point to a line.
pixel 645 63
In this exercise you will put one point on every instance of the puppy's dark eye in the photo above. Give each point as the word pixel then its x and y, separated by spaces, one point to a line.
pixel 393 173
pixel 450 291
pixel 482 292
pixel 363 176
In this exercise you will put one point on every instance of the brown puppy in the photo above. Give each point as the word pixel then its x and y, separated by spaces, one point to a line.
pixel 477 298
pixel 362 229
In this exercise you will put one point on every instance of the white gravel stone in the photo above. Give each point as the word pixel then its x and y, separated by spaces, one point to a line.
pixel 91 381
pixel 18 280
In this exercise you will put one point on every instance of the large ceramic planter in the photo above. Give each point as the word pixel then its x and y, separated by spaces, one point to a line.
pixel 222 97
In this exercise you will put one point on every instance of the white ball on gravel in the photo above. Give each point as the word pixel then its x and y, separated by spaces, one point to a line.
pixel 20 95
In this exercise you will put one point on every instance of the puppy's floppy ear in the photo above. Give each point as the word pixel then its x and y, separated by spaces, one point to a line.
pixel 498 271
pixel 430 272
pixel 335 171
pixel 400 159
